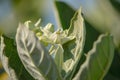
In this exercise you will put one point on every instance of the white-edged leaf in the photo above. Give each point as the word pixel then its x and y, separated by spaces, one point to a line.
pixel 73 49
pixel 5 62
pixel 98 60
pixel 11 62
pixel 35 58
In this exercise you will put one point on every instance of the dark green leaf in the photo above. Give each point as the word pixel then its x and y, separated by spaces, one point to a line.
pixel 65 13
pixel 91 36
pixel 11 61
pixel 114 70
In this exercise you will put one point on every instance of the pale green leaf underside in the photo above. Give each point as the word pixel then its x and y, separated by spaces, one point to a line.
pixel 98 60
pixel 58 57
pixel 35 58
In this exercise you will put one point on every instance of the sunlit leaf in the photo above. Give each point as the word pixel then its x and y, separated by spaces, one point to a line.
pixel 73 49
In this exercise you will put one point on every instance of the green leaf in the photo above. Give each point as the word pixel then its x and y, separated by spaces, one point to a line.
pixel 111 77
pixel 56 52
pixel 73 49
pixel 11 62
pixel 35 58
pixel 98 60
pixel 65 13
pixel 91 36
pixel 114 71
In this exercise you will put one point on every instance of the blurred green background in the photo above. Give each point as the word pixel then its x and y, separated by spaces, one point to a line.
pixel 14 11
